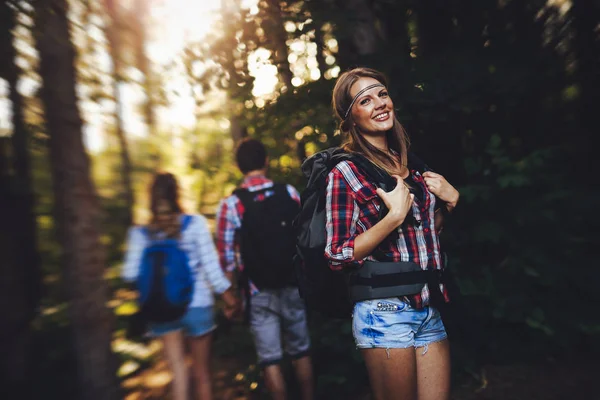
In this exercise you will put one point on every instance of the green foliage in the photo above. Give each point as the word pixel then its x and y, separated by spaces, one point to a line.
pixel 488 96
pixel 494 96
pixel 526 260
pixel 338 363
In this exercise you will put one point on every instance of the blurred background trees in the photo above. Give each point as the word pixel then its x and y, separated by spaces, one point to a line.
pixel 95 95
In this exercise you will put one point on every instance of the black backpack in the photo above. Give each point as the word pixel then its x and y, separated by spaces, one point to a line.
pixel 267 237
pixel 325 290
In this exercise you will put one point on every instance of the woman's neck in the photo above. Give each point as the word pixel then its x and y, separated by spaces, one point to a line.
pixel 379 141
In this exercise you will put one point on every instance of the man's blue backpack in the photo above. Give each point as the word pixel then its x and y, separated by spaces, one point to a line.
pixel 166 280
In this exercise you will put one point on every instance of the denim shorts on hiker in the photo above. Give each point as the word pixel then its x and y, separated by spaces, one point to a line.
pixel 392 323
pixel 197 321
pixel 275 313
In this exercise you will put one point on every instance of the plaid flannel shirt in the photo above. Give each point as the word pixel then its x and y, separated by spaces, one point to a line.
pixel 352 207
pixel 229 221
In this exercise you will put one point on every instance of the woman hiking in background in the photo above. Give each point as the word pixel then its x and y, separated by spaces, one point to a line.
pixel 401 336
pixel 194 239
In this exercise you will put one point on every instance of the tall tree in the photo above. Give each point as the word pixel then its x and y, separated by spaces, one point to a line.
pixel 76 205
pixel 114 49
pixel 586 45
pixel 227 58
pixel 139 17
pixel 273 22
pixel 359 38
pixel 20 288
pixel 319 14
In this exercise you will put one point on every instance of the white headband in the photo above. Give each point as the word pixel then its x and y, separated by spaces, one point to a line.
pixel 358 94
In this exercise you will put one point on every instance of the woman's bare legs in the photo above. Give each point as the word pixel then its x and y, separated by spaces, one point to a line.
pixel 409 374
pixel 175 353
pixel 433 371
pixel 392 373
pixel 200 348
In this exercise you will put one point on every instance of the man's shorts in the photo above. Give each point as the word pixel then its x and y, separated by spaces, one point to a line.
pixel 197 321
pixel 392 323
pixel 274 312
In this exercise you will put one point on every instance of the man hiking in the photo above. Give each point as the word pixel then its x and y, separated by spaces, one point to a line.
pixel 256 223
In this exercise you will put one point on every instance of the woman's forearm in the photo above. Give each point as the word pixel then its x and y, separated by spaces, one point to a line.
pixel 366 242
pixel 450 204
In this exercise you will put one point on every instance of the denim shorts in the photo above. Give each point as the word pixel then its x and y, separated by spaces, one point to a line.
pixel 277 312
pixel 393 324
pixel 197 321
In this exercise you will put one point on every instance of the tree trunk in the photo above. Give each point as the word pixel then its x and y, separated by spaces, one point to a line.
pixel 434 26
pixel 320 41
pixel 359 41
pixel 114 49
pixel 21 282
pixel 140 13
pixel 19 290
pixel 238 132
pixel 76 206
pixel 364 34
pixel 279 39
pixel 228 10
pixel 586 44
pixel 320 12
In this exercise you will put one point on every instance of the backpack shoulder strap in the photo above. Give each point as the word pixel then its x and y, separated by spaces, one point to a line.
pixel 245 196
pixel 416 163
pixel 150 236
pixel 281 189
pixel 186 221
pixel 373 172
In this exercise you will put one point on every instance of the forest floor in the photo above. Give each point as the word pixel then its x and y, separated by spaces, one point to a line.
pixel 145 375
pixel 235 377
pixel 518 382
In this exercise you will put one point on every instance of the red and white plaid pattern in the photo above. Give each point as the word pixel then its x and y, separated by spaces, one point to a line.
pixel 229 220
pixel 352 207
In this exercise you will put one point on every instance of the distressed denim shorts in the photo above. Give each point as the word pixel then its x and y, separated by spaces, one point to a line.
pixel 392 323
pixel 197 321
pixel 277 314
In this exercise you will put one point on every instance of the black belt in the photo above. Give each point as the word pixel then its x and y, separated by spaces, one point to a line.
pixel 377 280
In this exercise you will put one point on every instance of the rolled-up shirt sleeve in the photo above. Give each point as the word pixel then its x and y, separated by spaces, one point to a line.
pixel 226 227
pixel 136 243
pixel 342 213
pixel 209 259
pixel 293 193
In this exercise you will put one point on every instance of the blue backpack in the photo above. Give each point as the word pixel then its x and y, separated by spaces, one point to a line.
pixel 166 281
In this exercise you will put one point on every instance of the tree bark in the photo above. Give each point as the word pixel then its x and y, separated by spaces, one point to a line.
pixel 21 282
pixel 236 129
pixel 140 13
pixel 434 26
pixel 114 49
pixel 364 34
pixel 279 39
pixel 358 40
pixel 320 41
pixel 76 206
pixel 586 44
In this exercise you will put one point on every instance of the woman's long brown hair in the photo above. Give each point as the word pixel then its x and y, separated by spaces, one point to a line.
pixel 397 138
pixel 164 205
